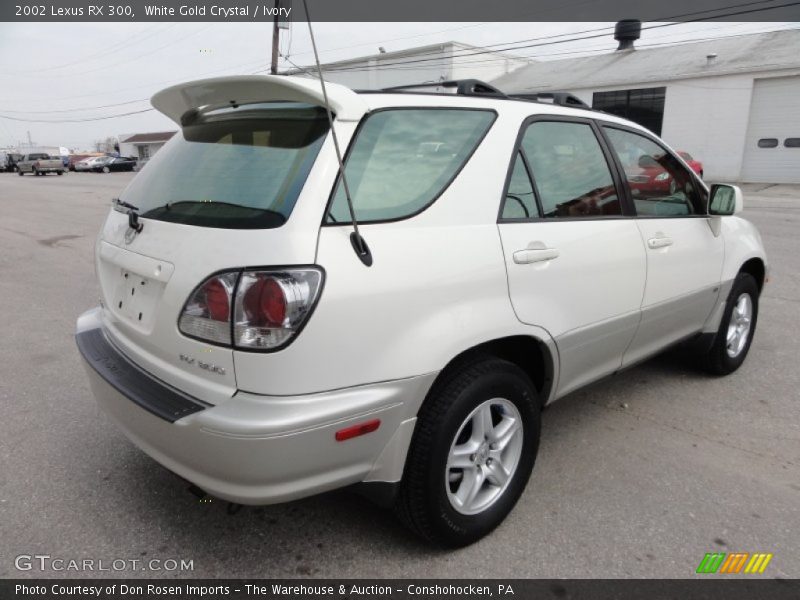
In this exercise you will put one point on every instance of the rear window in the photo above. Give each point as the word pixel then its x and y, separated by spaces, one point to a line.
pixel 235 168
pixel 403 159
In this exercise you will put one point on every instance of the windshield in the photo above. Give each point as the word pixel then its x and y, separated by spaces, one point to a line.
pixel 235 168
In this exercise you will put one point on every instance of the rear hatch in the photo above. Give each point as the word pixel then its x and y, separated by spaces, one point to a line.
pixel 220 195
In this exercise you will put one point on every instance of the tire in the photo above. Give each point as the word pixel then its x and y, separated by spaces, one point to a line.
pixel 429 492
pixel 106 170
pixel 59 172
pixel 726 354
pixel 20 173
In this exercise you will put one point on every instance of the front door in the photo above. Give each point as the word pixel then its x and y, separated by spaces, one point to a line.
pixel 575 261
pixel 684 257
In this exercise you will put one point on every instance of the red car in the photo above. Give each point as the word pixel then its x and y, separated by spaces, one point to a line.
pixel 649 179
pixel 696 165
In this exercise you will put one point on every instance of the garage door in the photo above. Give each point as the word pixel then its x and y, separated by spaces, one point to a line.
pixel 772 151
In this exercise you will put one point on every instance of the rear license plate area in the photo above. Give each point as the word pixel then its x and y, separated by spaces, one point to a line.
pixel 135 298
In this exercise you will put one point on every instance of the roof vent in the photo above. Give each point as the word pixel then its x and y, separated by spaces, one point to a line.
pixel 626 32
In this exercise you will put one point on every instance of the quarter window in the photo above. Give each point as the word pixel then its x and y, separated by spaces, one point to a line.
pixel 569 170
pixel 403 159
pixel 520 201
pixel 660 186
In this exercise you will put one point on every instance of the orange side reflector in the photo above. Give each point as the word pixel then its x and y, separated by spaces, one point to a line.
pixel 357 430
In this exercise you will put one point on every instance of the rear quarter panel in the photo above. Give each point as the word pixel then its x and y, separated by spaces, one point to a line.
pixel 437 287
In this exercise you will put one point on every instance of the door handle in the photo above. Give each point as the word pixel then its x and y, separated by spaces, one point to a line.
pixel 659 242
pixel 535 252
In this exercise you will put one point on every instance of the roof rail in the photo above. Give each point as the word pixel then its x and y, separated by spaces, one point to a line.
pixel 559 98
pixel 464 87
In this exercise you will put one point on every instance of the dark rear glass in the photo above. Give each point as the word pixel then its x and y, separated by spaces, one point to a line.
pixel 237 168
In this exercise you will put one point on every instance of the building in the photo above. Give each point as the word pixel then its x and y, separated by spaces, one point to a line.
pixel 424 64
pixel 733 103
pixel 143 145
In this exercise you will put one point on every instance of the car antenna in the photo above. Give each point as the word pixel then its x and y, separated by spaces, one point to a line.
pixel 359 243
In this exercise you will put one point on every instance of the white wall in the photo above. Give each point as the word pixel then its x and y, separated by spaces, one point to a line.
pixel 478 67
pixel 706 117
pixel 443 63
pixel 126 149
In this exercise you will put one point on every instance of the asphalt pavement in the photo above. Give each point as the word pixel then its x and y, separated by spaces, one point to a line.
pixel 637 476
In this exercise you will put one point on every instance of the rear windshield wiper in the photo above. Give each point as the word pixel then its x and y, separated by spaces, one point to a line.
pixel 122 204
pixel 133 214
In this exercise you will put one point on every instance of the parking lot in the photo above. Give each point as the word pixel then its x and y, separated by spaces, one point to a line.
pixel 638 476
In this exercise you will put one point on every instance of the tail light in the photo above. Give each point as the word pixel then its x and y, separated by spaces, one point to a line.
pixel 252 310
pixel 207 313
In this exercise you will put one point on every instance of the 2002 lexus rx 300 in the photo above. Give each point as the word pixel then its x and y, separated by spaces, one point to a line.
pixel 250 341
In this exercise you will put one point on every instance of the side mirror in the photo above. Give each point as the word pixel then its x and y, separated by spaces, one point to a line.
pixel 725 200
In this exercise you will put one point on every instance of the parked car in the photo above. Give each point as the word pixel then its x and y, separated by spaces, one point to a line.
pixel 108 164
pixel 76 158
pixel 256 343
pixel 88 163
pixel 695 164
pixel 40 164
pixel 9 163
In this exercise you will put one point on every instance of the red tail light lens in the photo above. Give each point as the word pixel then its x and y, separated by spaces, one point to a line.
pixel 207 313
pixel 265 303
pixel 218 300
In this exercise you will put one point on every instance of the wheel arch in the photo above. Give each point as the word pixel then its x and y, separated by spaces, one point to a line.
pixel 533 355
pixel 755 267
pixel 536 356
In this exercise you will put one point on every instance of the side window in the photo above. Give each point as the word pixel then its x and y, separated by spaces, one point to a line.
pixel 402 159
pixel 660 185
pixel 570 170
pixel 520 200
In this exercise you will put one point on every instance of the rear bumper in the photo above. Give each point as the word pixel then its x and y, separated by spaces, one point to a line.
pixel 255 449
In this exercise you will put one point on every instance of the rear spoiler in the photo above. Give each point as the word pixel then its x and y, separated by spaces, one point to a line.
pixel 181 101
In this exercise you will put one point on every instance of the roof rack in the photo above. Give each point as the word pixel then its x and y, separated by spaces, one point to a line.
pixel 559 98
pixel 476 87
pixel 464 87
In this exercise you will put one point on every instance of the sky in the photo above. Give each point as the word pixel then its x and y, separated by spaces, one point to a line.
pixel 73 72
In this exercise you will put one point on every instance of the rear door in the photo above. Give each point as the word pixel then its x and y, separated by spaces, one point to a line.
pixel 574 255
pixel 684 257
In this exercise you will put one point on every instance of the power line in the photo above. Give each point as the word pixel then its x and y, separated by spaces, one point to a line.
pixel 136 112
pixel 99 55
pixel 164 81
pixel 133 58
pixel 67 110
pixel 522 44
pixel 444 61
pixel 400 65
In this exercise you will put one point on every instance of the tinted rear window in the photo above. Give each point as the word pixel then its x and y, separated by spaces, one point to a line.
pixel 237 168
pixel 403 159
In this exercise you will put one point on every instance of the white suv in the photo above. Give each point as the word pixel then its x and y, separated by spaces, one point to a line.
pixel 510 252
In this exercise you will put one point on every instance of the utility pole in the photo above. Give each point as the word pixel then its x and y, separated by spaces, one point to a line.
pixel 275 40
